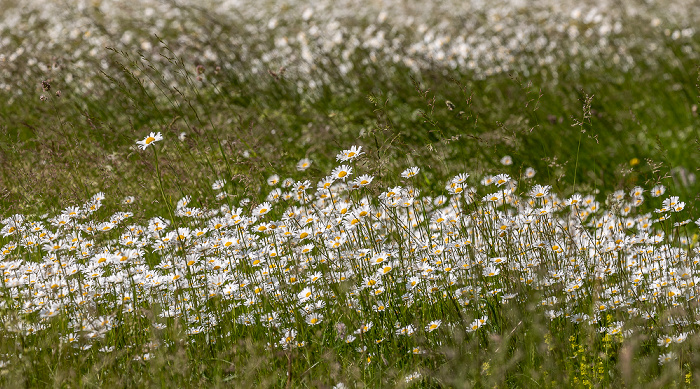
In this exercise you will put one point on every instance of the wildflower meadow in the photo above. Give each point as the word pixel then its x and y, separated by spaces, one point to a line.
pixel 341 194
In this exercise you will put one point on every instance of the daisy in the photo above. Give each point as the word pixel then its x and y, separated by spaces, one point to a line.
pixel 303 164
pixel 152 137
pixel 287 182
pixel 493 197
pixel 378 258
pixel 440 200
pixel 314 318
pixel 476 324
pixel 540 191
pixel 507 160
pixel 301 186
pixel 487 180
pixel 305 295
pixel 341 172
pixel 218 184
pixel 680 338
pixel 71 212
pixel 658 190
pixel 325 183
pixel 303 233
pixel 668 357
pixel 498 260
pixel 412 377
pixel 349 155
pixel 273 180
pixel 637 191
pixel 454 188
pixel 364 328
pixel 363 180
pixel 574 200
pixel 491 271
pixel 410 172
pixel 578 318
pixel 529 173
pixel 385 269
pixel 71 338
pixel 274 195
pixel 433 325
pixel 184 201
pixel 408 330
pixel 501 179
pixel 262 209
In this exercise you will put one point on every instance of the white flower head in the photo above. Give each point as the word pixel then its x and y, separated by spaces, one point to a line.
pixel 410 172
pixel 147 141
pixel 349 155
pixel 218 184
pixel 341 172
pixel 303 164
pixel 540 191
pixel 273 180
pixel 433 325
pixel 665 358
pixel 658 190
pixel 529 173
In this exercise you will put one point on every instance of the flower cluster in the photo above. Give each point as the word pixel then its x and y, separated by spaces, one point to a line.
pixel 303 256
pixel 498 37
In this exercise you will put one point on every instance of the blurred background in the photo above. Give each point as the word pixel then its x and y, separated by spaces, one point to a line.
pixel 590 94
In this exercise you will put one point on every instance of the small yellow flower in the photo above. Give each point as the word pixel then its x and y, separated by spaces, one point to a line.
pixel 634 161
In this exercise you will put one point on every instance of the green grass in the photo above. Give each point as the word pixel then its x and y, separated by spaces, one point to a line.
pixel 588 122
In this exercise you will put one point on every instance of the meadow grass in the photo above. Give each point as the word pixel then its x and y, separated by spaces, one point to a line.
pixel 273 195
